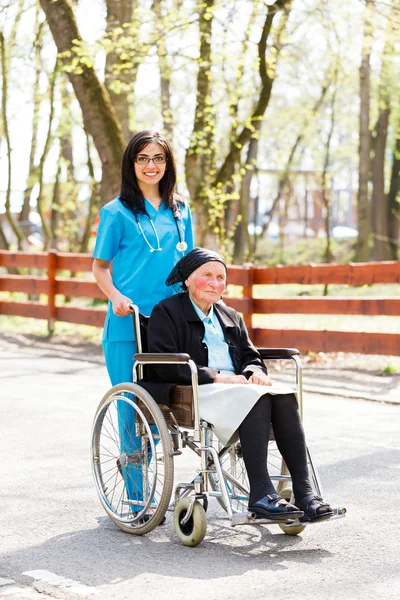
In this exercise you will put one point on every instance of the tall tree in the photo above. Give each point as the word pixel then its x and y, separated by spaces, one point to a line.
pixel 380 211
pixel 6 49
pixel 5 62
pixel 122 33
pixel 36 101
pixel 241 237
pixel 164 67
pixel 98 112
pixel 242 242
pixel 43 207
pixel 326 194
pixel 363 203
pixel 284 177
pixel 207 184
pixel 200 155
pixel 267 70
pixel 393 199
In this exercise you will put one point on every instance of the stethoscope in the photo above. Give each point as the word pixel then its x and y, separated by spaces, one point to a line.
pixel 181 246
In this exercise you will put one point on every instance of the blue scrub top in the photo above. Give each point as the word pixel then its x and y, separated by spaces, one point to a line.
pixel 137 272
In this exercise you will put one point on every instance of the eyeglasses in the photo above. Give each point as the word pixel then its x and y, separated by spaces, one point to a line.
pixel 144 160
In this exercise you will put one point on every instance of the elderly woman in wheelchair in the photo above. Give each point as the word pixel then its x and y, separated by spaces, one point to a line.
pixel 191 337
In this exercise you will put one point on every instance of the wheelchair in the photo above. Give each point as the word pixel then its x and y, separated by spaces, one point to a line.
pixel 134 442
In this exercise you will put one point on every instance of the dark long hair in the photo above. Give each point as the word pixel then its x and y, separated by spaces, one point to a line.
pixel 131 195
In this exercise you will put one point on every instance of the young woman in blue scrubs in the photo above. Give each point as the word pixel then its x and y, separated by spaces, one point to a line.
pixel 142 234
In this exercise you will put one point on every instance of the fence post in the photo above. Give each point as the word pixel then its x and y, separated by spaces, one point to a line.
pixel 51 293
pixel 248 293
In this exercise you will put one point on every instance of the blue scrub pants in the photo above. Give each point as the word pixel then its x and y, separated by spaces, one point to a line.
pixel 119 362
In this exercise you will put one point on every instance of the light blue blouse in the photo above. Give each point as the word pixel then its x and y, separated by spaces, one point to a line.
pixel 219 357
pixel 137 272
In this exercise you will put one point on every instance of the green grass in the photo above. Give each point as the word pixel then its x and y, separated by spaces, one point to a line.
pixel 375 324
pixel 38 327
pixel 383 290
pixel 390 369
pixel 301 251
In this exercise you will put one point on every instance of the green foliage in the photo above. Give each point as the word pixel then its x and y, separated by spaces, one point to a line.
pixel 389 369
pixel 300 252
pixel 209 57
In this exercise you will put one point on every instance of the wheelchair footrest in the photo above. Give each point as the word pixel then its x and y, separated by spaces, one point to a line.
pixel 246 518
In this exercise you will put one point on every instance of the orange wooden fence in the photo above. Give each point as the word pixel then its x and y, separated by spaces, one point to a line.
pixel 52 284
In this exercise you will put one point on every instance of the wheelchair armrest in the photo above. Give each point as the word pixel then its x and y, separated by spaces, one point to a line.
pixel 151 358
pixel 277 352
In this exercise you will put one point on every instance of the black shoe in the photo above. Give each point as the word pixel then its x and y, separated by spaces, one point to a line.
pixel 275 507
pixel 147 518
pixel 315 509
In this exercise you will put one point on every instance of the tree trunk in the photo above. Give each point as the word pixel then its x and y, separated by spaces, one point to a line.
pixel 55 207
pixel 242 242
pixel 98 113
pixel 121 70
pixel 380 212
pixel 4 97
pixel 164 70
pixel 363 207
pixel 42 208
pixel 4 245
pixel 94 201
pixel 200 154
pixel 68 205
pixel 326 196
pixel 284 178
pixel 267 71
pixel 32 173
pixel 380 225
pixel 233 99
pixel 394 199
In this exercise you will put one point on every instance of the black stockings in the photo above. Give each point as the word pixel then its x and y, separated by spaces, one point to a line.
pixel 282 412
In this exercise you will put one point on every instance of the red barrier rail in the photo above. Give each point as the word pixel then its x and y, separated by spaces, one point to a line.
pixel 53 285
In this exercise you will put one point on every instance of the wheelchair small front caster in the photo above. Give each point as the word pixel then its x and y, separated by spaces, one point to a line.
pixel 193 531
pixel 292 529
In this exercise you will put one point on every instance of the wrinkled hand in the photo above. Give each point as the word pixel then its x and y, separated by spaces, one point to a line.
pixel 230 379
pixel 260 378
pixel 120 305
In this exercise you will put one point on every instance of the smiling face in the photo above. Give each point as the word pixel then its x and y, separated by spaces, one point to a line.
pixel 150 173
pixel 207 284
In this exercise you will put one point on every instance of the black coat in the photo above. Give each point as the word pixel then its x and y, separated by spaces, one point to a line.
pixel 174 326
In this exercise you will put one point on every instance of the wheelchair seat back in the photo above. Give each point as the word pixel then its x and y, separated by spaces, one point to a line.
pixel 181 396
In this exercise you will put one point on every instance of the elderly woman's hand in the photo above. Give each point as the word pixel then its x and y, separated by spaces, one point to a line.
pixel 260 378
pixel 230 379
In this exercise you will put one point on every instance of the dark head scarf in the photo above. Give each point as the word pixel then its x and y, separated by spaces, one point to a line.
pixel 188 264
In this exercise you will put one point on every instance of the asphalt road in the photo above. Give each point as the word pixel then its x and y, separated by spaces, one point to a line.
pixel 56 542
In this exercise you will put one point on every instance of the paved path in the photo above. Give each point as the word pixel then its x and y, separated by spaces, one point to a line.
pixel 362 384
pixel 56 541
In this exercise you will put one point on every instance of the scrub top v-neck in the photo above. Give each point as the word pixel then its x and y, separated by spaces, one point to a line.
pixel 137 272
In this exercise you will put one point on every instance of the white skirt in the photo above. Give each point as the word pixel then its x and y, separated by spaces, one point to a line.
pixel 225 405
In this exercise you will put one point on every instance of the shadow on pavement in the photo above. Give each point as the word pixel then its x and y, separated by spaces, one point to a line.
pixel 105 555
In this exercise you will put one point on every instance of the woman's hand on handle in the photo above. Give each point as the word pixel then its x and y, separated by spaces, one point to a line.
pixel 121 305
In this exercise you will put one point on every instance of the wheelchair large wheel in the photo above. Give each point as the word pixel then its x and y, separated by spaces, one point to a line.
pixel 235 473
pixel 132 459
